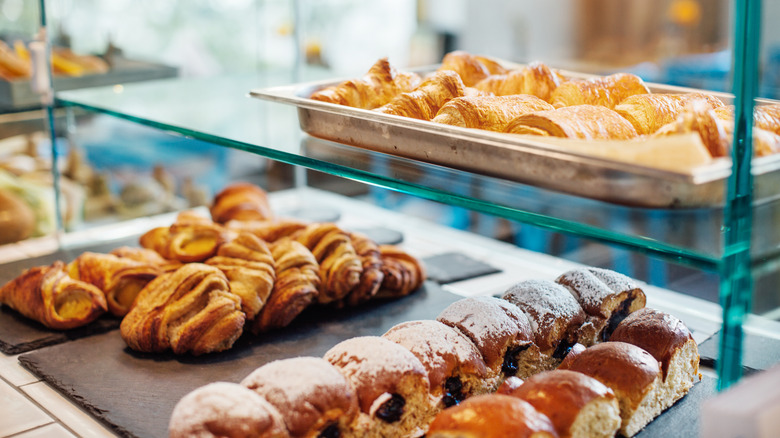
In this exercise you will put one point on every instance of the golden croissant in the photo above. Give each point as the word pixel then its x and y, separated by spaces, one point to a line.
pixel 296 287
pixel 698 116
pixel 242 202
pixel 587 122
pixel 403 273
pixel 470 68
pixel 48 295
pixel 649 112
pixel 491 113
pixel 340 266
pixel 376 88
pixel 425 101
pixel 606 91
pixel 190 310
pixel 536 79
pixel 249 267
pixel 120 279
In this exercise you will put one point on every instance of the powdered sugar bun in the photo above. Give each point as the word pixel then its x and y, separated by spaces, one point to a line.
pixel 455 367
pixel 313 397
pixel 224 409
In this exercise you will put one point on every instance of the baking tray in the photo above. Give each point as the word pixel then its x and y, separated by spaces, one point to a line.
pixel 18 94
pixel 546 163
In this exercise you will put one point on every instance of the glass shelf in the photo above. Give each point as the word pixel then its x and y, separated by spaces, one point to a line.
pixel 220 111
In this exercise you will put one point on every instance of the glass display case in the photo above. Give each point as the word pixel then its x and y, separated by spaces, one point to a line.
pixel 203 129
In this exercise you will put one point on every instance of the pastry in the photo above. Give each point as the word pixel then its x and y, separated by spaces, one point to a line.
pixel 491 416
pixel 455 366
pixel 382 83
pixel 296 286
pixel 555 316
pixel 426 100
pixel 269 230
pixel 146 256
pixel 632 374
pixel 402 272
pixel 48 295
pixel 501 333
pixel 249 267
pixel 189 239
pixel 120 279
pixel 391 385
pixel 605 91
pixel 649 112
pixel 340 266
pixel 699 117
pixel 314 398
pixel 470 68
pixel 670 342
pixel 536 79
pixel 586 122
pixel 606 297
pixel 491 113
pixel 578 406
pixel 190 310
pixel 225 410
pixel 372 275
pixel 241 202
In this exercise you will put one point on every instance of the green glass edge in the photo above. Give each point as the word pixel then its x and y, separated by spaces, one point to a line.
pixel 648 246
pixel 736 288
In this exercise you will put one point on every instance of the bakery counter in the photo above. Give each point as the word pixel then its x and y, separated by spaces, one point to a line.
pixel 39 408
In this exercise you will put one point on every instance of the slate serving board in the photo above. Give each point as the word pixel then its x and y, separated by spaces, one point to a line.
pixel 134 394
pixel 19 334
pixel 759 352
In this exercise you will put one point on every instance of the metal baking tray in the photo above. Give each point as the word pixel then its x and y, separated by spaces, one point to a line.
pixel 537 161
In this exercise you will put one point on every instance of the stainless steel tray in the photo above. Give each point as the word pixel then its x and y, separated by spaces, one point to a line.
pixel 540 162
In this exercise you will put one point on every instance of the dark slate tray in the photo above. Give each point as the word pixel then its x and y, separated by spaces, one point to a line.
pixel 682 419
pixel 19 334
pixel 759 352
pixel 134 394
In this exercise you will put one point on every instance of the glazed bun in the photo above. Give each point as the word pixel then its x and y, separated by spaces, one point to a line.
pixel 491 416
pixel 500 331
pixel 579 406
pixel 312 396
pixel 224 409
pixel 455 367
pixel 670 342
pixel 606 297
pixel 632 374
pixel 391 384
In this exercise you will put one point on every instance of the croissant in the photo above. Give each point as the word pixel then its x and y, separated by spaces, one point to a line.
pixel 248 265
pixel 146 256
pixel 536 79
pixel 588 122
pixel 403 273
pixel 47 295
pixel 425 101
pixel 120 279
pixel 187 241
pixel 492 113
pixel 376 88
pixel 187 310
pixel 649 112
pixel 699 117
pixel 340 266
pixel 606 91
pixel 296 287
pixel 269 231
pixel 470 68
pixel 372 275
pixel 242 202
